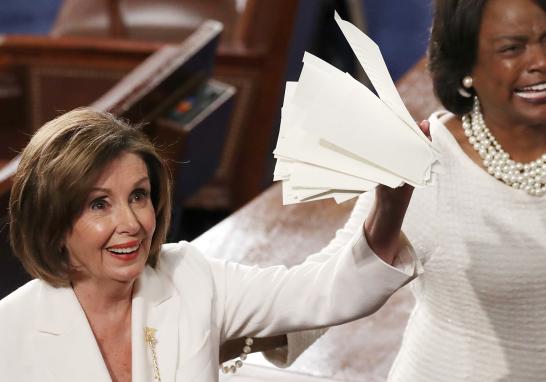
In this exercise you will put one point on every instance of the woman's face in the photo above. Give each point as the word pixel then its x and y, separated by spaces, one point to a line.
pixel 111 239
pixel 510 71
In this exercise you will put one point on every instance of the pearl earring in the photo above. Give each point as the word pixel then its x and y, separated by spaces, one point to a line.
pixel 467 84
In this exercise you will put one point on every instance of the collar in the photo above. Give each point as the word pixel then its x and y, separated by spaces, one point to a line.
pixel 68 349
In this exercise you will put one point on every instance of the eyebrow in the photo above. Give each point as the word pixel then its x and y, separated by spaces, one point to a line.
pixel 514 37
pixel 107 190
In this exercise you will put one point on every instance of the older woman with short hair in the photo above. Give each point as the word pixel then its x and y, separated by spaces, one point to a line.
pixel 89 211
pixel 69 154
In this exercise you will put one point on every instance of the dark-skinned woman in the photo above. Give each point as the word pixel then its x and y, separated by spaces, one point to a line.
pixel 480 231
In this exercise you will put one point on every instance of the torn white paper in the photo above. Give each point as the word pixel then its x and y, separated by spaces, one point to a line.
pixel 338 139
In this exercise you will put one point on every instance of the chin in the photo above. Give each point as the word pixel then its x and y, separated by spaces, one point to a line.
pixel 128 273
pixel 536 119
pixel 532 112
pixel 127 276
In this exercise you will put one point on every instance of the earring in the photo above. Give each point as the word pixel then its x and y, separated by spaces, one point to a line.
pixel 467 83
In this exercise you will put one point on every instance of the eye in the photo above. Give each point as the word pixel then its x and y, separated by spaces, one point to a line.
pixel 140 195
pixel 98 204
pixel 510 49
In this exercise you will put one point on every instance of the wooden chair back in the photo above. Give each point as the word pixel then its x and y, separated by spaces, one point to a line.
pixel 42 77
pixel 251 56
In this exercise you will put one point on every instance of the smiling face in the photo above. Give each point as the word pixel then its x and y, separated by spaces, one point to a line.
pixel 110 240
pixel 510 71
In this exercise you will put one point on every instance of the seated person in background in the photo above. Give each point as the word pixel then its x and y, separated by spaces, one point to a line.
pixel 480 232
pixel 90 208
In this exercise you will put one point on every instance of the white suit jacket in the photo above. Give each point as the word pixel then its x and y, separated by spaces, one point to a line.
pixel 195 304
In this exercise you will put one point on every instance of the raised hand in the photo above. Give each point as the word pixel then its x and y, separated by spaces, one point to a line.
pixel 384 222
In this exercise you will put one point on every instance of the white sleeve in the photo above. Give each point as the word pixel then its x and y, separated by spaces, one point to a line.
pixel 298 342
pixel 352 225
pixel 261 302
pixel 403 261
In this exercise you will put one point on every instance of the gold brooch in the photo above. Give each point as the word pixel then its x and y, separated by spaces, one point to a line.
pixel 149 337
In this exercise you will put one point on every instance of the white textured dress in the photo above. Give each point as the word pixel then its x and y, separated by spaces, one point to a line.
pixel 480 312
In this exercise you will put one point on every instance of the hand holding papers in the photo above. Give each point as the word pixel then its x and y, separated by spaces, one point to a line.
pixel 337 139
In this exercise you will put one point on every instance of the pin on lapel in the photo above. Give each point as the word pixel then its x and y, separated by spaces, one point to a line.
pixel 151 341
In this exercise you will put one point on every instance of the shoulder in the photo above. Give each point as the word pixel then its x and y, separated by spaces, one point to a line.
pixel 19 298
pixel 174 256
pixel 16 308
pixel 445 124
pixel 182 262
pixel 198 280
pixel 448 136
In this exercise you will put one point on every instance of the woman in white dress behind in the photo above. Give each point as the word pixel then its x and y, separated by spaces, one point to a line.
pixel 480 231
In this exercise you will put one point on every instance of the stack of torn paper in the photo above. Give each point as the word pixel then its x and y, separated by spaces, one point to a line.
pixel 337 139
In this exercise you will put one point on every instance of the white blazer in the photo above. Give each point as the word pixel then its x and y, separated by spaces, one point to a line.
pixel 195 304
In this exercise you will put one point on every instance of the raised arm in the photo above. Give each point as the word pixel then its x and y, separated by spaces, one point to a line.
pixel 383 226
pixel 385 214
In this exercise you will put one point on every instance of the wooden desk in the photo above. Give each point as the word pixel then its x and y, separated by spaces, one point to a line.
pixel 265 232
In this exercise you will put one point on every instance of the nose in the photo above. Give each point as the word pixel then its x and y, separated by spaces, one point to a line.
pixel 538 58
pixel 127 221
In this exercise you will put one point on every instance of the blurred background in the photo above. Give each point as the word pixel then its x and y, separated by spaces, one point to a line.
pixel 212 101
pixel 400 27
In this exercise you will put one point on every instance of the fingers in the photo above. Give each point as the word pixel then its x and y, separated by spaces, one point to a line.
pixel 425 128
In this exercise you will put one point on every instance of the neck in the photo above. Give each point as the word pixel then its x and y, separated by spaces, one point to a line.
pixel 523 142
pixel 105 298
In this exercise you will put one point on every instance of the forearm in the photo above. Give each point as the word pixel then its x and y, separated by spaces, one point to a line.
pixel 349 285
pixel 383 225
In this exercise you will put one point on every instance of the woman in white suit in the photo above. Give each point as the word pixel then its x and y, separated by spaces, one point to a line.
pixel 89 212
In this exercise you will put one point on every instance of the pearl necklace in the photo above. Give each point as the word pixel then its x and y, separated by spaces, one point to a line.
pixel 530 177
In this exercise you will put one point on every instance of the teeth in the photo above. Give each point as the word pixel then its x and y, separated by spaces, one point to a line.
pixel 123 250
pixel 532 95
pixel 537 88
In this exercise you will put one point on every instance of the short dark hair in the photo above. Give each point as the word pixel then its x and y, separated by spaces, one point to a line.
pixel 58 168
pixel 453 48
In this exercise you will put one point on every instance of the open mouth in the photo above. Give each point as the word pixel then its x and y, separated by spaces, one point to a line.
pixel 125 251
pixel 532 92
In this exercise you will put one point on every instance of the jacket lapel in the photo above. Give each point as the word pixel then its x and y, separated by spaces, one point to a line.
pixel 64 341
pixel 68 350
pixel 155 306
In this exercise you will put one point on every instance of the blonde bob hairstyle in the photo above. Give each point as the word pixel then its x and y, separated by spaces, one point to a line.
pixel 58 168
